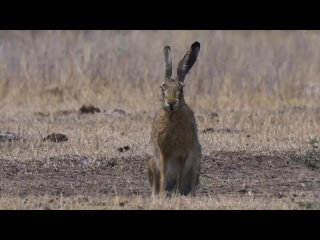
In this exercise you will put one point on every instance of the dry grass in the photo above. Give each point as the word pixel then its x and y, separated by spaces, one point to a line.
pixel 262 83
pixel 237 70
pixel 140 203
pixel 103 133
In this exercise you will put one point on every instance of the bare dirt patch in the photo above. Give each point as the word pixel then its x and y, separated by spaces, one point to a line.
pixel 222 173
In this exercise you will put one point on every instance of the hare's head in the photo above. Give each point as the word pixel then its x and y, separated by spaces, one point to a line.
pixel 172 88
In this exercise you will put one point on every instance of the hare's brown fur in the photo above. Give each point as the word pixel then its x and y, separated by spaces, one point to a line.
pixel 175 166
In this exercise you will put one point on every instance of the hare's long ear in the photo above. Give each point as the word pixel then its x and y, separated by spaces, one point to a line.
pixel 187 61
pixel 168 61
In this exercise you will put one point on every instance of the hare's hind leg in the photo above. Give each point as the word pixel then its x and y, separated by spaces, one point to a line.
pixel 163 173
pixel 154 177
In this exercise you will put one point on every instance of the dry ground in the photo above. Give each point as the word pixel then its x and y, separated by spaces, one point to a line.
pixel 255 96
pixel 88 171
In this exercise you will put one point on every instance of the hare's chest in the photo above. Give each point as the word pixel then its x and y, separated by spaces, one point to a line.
pixel 175 135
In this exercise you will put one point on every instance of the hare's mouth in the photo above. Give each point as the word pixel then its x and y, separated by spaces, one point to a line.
pixel 171 107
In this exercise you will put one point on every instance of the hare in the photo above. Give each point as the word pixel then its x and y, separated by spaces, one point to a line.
pixel 177 151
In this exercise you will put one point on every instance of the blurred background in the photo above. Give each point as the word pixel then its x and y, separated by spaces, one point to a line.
pixel 237 70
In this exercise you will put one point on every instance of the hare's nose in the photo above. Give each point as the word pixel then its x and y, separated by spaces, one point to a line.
pixel 171 105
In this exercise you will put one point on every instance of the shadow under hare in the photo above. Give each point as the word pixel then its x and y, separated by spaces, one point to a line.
pixel 175 165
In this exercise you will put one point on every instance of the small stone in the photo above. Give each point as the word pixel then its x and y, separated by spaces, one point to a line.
pixel 56 137
pixel 208 130
pixel 89 109
pixel 214 115
pixel 7 136
pixel 125 148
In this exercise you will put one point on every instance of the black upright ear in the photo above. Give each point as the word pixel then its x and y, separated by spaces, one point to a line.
pixel 187 61
pixel 168 61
